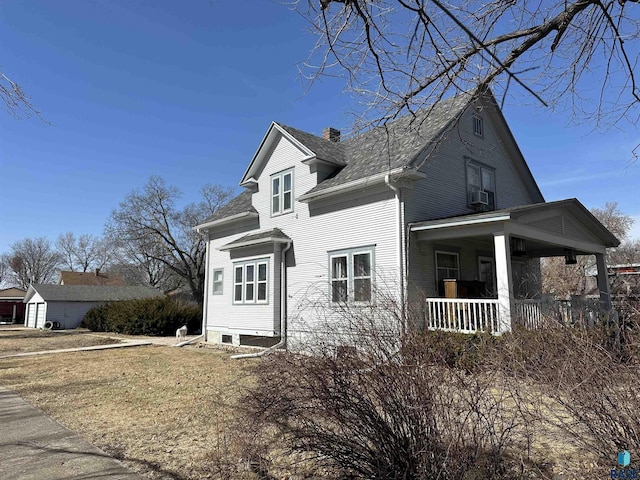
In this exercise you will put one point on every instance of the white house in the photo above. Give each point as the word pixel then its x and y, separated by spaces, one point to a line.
pixel 66 305
pixel 437 204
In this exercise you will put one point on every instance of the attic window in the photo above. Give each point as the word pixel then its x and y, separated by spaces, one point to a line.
pixel 282 192
pixel 478 127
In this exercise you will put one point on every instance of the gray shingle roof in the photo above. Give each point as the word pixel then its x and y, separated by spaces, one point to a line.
pixel 94 293
pixel 398 144
pixel 274 235
pixel 334 152
pixel 237 205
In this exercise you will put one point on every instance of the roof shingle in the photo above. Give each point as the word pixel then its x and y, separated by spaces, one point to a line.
pixel 94 293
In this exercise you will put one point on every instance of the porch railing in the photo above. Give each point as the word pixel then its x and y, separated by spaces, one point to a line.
pixel 470 315
pixel 463 315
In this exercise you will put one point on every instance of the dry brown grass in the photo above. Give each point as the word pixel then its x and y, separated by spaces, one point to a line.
pixel 166 412
pixel 14 341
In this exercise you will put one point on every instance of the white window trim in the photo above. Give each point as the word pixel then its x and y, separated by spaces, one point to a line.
pixel 482 167
pixel 256 267
pixel 220 282
pixel 349 253
pixel 280 176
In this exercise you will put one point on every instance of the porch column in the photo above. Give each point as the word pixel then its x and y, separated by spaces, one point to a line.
pixel 503 277
pixel 603 281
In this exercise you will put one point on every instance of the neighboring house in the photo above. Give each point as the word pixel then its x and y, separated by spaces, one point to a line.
pixel 67 304
pixel 91 278
pixel 11 305
pixel 625 279
pixel 437 204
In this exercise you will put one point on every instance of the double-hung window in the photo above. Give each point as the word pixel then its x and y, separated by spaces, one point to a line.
pixel 250 281
pixel 481 178
pixel 217 277
pixel 282 192
pixel 351 275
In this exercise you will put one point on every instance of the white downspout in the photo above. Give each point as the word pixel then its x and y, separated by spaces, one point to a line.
pixel 283 310
pixel 387 180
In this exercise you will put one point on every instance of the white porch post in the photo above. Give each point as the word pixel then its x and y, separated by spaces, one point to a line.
pixel 603 281
pixel 503 277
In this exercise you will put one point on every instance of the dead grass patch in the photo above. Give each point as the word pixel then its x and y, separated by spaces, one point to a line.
pixel 33 340
pixel 166 412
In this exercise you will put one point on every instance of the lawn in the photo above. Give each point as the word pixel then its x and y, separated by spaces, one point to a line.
pixel 166 412
pixel 14 341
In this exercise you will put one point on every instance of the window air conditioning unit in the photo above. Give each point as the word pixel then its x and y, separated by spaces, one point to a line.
pixel 478 197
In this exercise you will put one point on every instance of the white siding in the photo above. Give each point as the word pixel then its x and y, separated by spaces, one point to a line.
pixel 363 218
pixel 41 309
pixel 31 315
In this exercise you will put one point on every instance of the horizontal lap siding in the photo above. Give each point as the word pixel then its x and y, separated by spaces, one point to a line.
pixel 366 217
pixel 443 192
pixel 68 314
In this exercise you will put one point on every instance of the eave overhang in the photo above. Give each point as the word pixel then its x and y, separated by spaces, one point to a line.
pixel 354 185
pixel 262 153
pixel 222 221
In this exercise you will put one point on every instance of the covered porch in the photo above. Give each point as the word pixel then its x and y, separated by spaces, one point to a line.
pixel 481 272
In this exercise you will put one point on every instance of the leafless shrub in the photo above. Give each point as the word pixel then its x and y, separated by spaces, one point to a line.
pixel 590 379
pixel 384 406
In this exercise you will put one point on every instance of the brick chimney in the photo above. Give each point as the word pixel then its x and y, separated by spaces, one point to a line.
pixel 332 134
pixel 97 272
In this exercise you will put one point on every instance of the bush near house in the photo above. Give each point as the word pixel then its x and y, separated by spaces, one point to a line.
pixel 152 316
pixel 441 405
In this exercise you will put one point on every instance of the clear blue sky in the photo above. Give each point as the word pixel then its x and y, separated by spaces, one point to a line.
pixel 186 90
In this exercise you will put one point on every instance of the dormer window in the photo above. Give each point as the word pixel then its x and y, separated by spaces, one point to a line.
pixel 478 127
pixel 282 192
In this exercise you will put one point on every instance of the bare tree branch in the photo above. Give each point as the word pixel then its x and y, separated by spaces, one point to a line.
pixel 401 55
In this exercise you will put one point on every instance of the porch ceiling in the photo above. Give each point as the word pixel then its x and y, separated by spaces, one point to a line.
pixel 547 228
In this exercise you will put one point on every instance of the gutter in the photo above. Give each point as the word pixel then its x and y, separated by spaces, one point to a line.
pixel 356 184
pixel 283 310
pixel 221 221
pixel 187 342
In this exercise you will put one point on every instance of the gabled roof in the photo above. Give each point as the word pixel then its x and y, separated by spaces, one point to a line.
pixel 12 293
pixel 397 148
pixel 571 205
pixel 327 150
pixel 90 293
pixel 274 235
pixel 90 278
pixel 397 145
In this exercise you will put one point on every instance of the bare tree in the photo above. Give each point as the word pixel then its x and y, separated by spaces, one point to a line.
pixel 152 230
pixel 404 54
pixel 31 261
pixel 82 253
pixel 16 102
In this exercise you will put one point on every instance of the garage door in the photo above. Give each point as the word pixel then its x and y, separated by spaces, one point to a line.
pixel 31 315
pixel 40 315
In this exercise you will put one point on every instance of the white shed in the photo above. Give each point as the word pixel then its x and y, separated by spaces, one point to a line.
pixel 66 305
